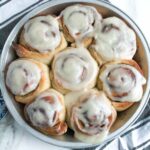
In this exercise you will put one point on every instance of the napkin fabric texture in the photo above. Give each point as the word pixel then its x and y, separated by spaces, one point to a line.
pixel 137 137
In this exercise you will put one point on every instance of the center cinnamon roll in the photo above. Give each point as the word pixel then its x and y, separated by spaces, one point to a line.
pixel 74 69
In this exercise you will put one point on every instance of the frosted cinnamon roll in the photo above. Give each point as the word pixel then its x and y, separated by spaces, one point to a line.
pixel 123 83
pixel 40 39
pixel 47 113
pixel 73 69
pixel 90 115
pixel 79 22
pixel 113 41
pixel 26 78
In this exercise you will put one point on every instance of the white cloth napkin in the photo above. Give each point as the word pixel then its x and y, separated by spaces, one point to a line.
pixel 136 137
pixel 12 9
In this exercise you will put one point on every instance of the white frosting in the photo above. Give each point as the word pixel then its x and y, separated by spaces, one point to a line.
pixel 95 105
pixel 23 76
pixel 42 33
pixel 41 112
pixel 123 79
pixel 115 40
pixel 81 20
pixel 75 68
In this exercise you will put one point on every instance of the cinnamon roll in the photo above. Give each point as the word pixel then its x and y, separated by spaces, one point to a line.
pixel 47 113
pixel 90 115
pixel 40 39
pixel 79 22
pixel 122 81
pixel 26 78
pixel 74 69
pixel 113 41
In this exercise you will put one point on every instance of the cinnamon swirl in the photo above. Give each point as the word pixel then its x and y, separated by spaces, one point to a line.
pixel 90 115
pixel 47 113
pixel 113 41
pixel 40 39
pixel 122 81
pixel 74 69
pixel 79 22
pixel 26 78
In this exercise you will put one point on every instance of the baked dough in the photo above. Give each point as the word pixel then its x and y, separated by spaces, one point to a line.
pixel 114 40
pixel 90 115
pixel 40 39
pixel 79 22
pixel 47 113
pixel 123 82
pixel 26 78
pixel 74 69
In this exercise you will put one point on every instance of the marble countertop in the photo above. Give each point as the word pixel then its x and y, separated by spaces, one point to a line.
pixel 13 137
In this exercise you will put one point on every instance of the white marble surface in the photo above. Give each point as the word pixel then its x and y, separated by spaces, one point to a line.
pixel 13 137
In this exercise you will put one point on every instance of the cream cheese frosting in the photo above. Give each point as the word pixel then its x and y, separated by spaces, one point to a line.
pixel 43 112
pixel 42 33
pixel 115 40
pixel 23 76
pixel 122 82
pixel 81 20
pixel 75 68
pixel 92 108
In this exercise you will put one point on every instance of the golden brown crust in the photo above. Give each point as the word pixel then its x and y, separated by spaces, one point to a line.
pixel 119 106
pixel 43 84
pixel 59 129
pixel 57 85
pixel 96 55
pixel 124 61
pixel 25 51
